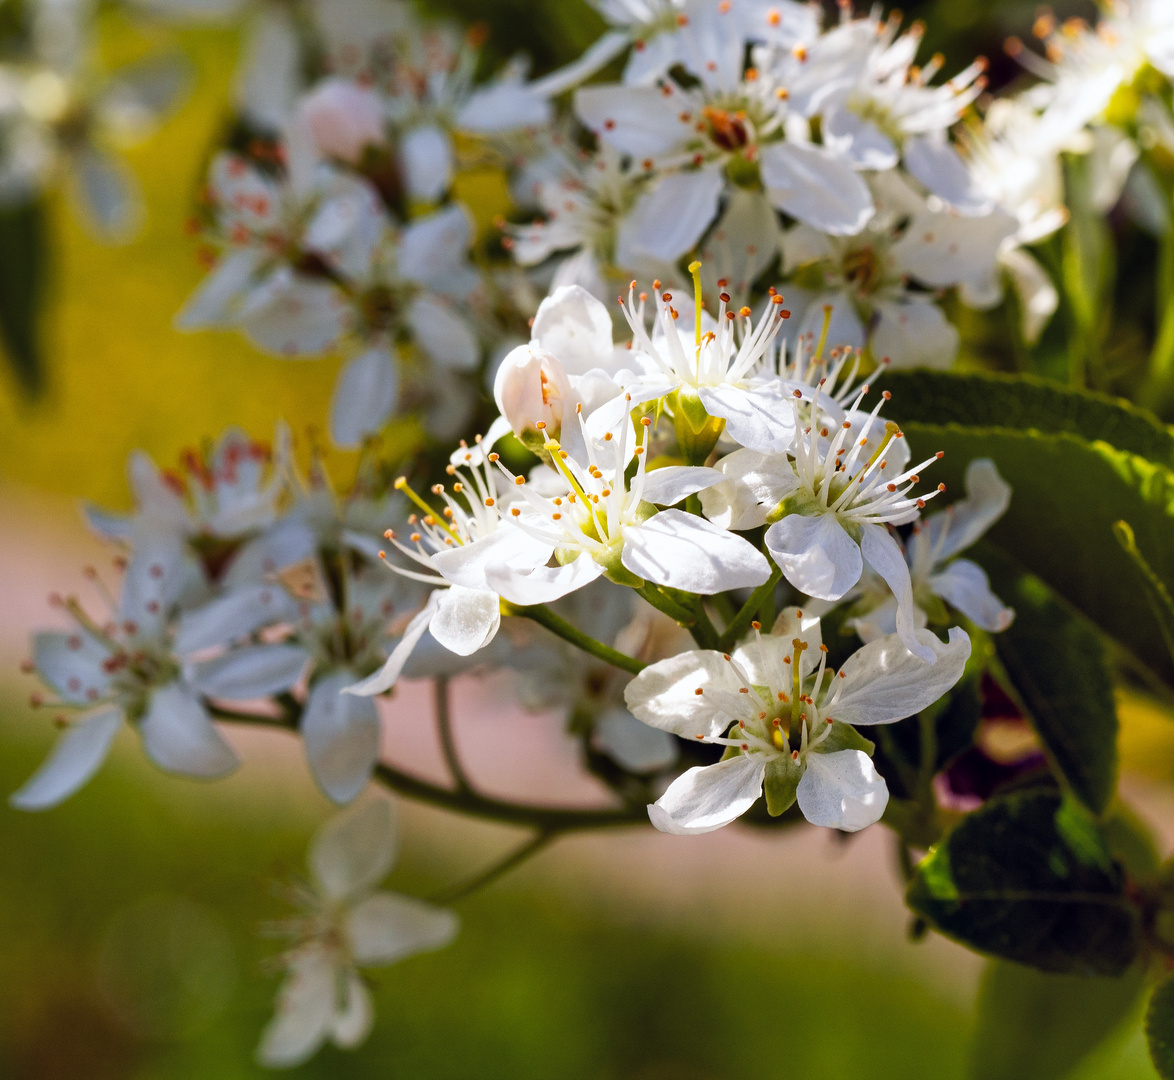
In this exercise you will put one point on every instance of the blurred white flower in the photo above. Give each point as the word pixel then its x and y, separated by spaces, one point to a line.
pixel 346 924
pixel 127 671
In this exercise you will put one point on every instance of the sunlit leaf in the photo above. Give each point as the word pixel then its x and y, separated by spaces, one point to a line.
pixel 1029 878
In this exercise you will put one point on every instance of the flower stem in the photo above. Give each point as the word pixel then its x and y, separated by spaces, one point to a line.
pixel 447 742
pixel 550 819
pixel 740 623
pixel 497 870
pixel 563 629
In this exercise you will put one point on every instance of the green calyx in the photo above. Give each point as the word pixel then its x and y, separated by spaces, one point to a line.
pixel 697 432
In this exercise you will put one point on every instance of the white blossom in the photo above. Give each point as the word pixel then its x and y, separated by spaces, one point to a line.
pixel 935 572
pixel 785 720
pixel 345 924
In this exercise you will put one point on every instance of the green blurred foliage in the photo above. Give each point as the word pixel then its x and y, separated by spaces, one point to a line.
pixel 534 988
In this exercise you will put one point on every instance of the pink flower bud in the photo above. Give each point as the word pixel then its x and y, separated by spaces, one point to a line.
pixel 343 119
pixel 532 388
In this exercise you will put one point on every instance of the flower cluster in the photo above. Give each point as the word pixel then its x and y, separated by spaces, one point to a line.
pixel 62 116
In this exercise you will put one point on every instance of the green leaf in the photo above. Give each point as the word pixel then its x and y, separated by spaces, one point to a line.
pixel 1025 403
pixel 1028 878
pixel 22 281
pixel 1056 663
pixel 1159 1029
pixel 1067 494
pixel 1155 588
pixel 1039 1025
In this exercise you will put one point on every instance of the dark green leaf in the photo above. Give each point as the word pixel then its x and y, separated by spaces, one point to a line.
pixel 1025 403
pixel 1067 494
pixel 22 279
pixel 1159 1029
pixel 1160 600
pixel 1039 1025
pixel 1056 663
pixel 1028 878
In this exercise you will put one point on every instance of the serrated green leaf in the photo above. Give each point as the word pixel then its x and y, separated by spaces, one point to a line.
pixel 1160 600
pixel 1159 1029
pixel 1025 403
pixel 22 274
pixel 1067 494
pixel 1038 1025
pixel 1056 663
pixel 1024 879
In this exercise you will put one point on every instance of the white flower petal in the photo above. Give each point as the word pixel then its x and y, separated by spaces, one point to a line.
pixel 759 418
pixel 541 584
pixel 598 55
pixel 354 850
pixel 914 333
pixel 108 194
pixel 443 333
pixel 504 106
pixel 575 328
pixel 235 615
pixel 815 555
pixel 884 682
pixel 364 396
pixel 882 552
pixel 385 928
pixel 255 671
pixel 214 303
pixel 434 247
pixel 964 584
pixel 305 1012
pixel 842 790
pixel 506 546
pixel 765 665
pixel 686 552
pixel 707 797
pixel 938 166
pixel 755 484
pixel 634 746
pixel 466 619
pixel 858 140
pixel 341 733
pixel 79 754
pixel 354 1015
pixel 386 676
pixel 297 317
pixel 668 220
pixel 667 486
pixel 817 187
pixel 426 157
pixel 179 737
pixel 664 695
pixel 641 121
pixel 71 663
pixel 987 497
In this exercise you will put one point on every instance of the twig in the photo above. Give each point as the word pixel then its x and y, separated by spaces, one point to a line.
pixel 550 819
pixel 447 742
pixel 561 628
pixel 495 871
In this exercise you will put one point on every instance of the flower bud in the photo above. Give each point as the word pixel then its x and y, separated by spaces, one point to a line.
pixel 532 388
pixel 343 119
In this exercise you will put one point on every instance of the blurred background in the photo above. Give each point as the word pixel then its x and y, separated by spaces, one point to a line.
pixel 130 914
